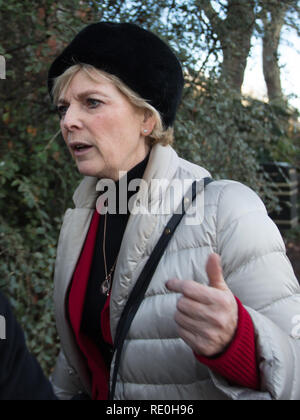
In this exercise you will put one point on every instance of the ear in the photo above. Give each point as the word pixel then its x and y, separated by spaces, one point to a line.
pixel 148 123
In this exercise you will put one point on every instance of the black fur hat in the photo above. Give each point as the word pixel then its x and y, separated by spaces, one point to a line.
pixel 138 57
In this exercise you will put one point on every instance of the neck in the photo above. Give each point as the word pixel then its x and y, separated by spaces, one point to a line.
pixel 138 159
pixel 120 195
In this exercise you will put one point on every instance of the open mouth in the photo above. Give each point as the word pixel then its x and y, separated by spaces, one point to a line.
pixel 80 148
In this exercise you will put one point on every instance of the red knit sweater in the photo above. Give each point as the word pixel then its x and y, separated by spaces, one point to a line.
pixel 237 364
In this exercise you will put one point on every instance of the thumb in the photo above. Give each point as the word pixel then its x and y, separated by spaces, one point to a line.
pixel 215 272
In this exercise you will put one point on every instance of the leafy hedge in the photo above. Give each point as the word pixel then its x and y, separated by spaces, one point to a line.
pixel 232 136
pixel 35 191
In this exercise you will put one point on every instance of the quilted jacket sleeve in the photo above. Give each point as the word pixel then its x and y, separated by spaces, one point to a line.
pixel 259 273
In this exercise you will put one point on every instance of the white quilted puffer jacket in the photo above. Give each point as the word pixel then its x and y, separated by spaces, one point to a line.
pixel 157 364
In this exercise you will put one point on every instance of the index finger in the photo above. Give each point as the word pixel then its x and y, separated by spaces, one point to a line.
pixel 191 289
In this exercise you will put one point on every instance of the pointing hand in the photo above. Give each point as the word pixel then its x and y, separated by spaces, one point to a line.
pixel 207 316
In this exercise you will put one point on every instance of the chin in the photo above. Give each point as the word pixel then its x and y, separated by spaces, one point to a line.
pixel 87 171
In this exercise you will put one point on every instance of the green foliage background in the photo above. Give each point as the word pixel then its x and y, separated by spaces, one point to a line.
pixel 217 129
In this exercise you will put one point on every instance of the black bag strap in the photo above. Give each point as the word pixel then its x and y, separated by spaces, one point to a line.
pixel 137 295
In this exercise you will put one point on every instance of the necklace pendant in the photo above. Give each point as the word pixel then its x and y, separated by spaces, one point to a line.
pixel 105 286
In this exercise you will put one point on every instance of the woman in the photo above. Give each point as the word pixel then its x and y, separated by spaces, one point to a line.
pixel 201 331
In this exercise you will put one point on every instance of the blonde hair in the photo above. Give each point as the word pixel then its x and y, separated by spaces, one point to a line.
pixel 159 134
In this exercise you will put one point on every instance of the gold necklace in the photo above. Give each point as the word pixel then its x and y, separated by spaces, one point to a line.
pixel 106 284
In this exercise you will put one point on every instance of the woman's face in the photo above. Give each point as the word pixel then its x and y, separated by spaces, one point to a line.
pixel 102 129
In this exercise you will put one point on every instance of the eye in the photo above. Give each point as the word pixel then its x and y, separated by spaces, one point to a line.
pixel 61 110
pixel 93 103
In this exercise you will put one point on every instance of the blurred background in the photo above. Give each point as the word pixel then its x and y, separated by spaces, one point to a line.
pixel 239 118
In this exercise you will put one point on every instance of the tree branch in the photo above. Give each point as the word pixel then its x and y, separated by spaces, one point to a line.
pixel 21 47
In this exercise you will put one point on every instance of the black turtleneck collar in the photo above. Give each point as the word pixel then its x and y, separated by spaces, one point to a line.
pixel 135 173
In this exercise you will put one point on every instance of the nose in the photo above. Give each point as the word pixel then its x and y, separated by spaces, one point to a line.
pixel 72 119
